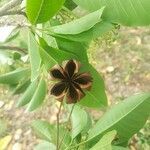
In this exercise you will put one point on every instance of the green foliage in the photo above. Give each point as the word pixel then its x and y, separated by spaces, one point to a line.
pixel 119 148
pixel 127 118
pixel 81 121
pixel 72 40
pixel 28 94
pixel 38 96
pixel 105 141
pixel 45 146
pixel 15 76
pixel 51 56
pixel 39 11
pixel 129 12
pixel 70 4
pixel 34 54
pixel 22 86
pixel 49 132
pixel 43 129
pixel 79 25
pixel 94 98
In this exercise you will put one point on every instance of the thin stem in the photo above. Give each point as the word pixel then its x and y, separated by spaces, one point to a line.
pixel 15 48
pixel 67 124
pixel 58 114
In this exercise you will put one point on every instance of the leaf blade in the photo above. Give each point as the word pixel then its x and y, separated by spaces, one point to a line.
pixel 38 96
pixel 119 116
pixel 34 55
pixel 129 12
pixel 42 10
pixel 79 25
pixel 28 94
pixel 15 76
pixel 81 122
pixel 105 142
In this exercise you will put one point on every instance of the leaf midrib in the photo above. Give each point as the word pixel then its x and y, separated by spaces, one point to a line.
pixel 38 13
pixel 120 118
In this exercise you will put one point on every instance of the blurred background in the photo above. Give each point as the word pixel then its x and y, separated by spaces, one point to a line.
pixel 122 57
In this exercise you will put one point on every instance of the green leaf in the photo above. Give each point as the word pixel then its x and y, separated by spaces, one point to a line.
pixel 16 56
pixel 38 96
pixel 126 12
pixel 44 145
pixel 70 4
pixel 79 25
pixel 35 59
pixel 96 97
pixel 76 48
pixel 43 129
pixel 127 118
pixel 105 142
pixel 119 148
pixel 15 76
pixel 22 86
pixel 51 56
pixel 49 132
pixel 81 121
pixel 97 30
pixel 27 96
pixel 39 11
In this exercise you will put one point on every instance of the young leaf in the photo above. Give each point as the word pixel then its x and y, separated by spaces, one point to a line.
pixel 38 96
pixel 127 118
pixel 126 12
pixel 22 86
pixel 105 141
pixel 97 30
pixel 49 132
pixel 70 4
pixel 35 59
pixel 44 145
pixel 76 48
pixel 39 11
pixel 15 76
pixel 79 25
pixel 96 97
pixel 43 129
pixel 81 121
pixel 27 96
pixel 52 56
pixel 119 148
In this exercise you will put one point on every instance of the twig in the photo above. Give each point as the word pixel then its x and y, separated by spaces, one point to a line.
pixel 67 123
pixel 23 50
pixel 59 110
pixel 10 5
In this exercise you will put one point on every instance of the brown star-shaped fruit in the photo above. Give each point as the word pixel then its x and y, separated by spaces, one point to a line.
pixel 70 83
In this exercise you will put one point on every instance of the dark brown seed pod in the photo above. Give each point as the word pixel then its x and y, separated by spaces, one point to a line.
pixel 70 83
